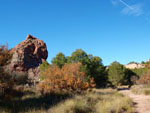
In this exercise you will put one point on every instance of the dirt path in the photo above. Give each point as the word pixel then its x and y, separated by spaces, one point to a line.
pixel 141 102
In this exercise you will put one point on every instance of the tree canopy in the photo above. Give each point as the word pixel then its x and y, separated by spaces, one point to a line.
pixel 91 65
pixel 59 60
pixel 116 73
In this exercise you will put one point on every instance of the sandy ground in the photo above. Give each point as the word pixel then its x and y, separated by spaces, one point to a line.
pixel 141 102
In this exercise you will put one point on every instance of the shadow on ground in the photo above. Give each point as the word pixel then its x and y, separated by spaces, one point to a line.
pixel 120 89
pixel 32 102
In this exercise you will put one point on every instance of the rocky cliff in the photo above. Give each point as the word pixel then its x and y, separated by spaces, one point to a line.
pixel 27 57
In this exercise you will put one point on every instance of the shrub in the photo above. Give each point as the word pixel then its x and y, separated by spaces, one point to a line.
pixel 6 83
pixel 119 75
pixel 5 56
pixel 67 79
pixel 140 71
pixel 43 67
pixel 144 79
pixel 59 60
pixel 134 78
pixel 116 73
pixel 91 65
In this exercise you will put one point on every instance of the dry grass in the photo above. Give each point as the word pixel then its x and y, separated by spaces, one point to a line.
pixel 97 101
pixel 141 89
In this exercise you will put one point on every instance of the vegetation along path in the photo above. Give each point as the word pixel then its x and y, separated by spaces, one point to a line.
pixel 141 102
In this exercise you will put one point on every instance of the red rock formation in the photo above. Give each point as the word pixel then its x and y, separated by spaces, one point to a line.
pixel 27 56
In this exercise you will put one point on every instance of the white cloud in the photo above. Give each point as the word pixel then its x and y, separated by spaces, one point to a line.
pixel 125 4
pixel 135 10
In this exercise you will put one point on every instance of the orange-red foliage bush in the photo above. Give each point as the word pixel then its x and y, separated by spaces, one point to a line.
pixel 67 79
pixel 6 83
pixel 5 56
pixel 145 79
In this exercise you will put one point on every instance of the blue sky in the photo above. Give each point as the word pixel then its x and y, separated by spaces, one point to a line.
pixel 111 29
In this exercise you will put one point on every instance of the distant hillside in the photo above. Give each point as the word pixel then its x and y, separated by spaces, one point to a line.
pixel 134 65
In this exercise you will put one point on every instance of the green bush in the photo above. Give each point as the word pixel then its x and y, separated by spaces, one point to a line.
pixel 43 67
pixel 119 75
pixel 91 65
pixel 59 60
pixel 139 72
pixel 116 73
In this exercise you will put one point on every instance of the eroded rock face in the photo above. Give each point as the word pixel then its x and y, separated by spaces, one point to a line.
pixel 27 57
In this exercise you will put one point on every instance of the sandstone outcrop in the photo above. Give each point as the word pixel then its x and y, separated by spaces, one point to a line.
pixel 134 66
pixel 27 57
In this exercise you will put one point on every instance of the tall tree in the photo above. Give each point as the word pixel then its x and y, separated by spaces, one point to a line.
pixel 97 70
pixel 79 56
pixel 116 73
pixel 59 60
pixel 91 65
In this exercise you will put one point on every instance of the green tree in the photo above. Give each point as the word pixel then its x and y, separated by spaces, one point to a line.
pixel 97 70
pixel 116 73
pixel 79 56
pixel 139 71
pixel 91 65
pixel 129 77
pixel 59 60
pixel 142 62
pixel 43 67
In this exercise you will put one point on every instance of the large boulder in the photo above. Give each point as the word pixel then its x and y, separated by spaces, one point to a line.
pixel 27 57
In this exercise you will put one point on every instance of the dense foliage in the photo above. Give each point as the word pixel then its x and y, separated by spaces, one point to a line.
pixel 43 67
pixel 116 73
pixel 4 55
pixel 67 79
pixel 6 83
pixel 119 75
pixel 139 72
pixel 91 65
pixel 145 79
pixel 59 60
